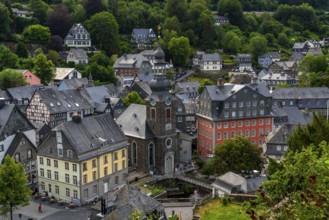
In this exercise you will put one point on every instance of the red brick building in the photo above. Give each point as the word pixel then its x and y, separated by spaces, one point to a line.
pixel 226 111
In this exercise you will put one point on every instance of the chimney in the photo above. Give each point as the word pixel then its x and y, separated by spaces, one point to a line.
pixel 76 118
pixel 220 82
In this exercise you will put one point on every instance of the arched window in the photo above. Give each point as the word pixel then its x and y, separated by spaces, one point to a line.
pixel 133 153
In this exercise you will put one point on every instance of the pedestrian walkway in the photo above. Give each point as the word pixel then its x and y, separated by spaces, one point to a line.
pixel 49 212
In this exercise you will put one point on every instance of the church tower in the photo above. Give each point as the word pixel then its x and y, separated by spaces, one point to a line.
pixel 161 117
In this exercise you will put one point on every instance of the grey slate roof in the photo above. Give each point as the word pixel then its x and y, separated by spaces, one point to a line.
pixel 211 57
pixel 5 113
pixel 142 35
pixel 220 93
pixel 133 122
pixel 142 88
pixel 135 60
pixel 299 45
pixel 280 135
pixel 15 143
pixel 301 93
pixel 229 180
pixel 63 101
pixel 129 198
pixel 277 76
pixel 272 55
pixel 297 56
pixel 145 76
pixel 73 83
pixel 91 132
pixel 79 53
pixel 23 91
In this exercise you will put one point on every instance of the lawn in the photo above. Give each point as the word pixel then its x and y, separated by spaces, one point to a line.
pixel 213 210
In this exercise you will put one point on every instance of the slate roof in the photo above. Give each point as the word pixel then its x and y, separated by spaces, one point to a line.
pixel 63 101
pixel 143 35
pixel 135 60
pixel 244 55
pixel 299 45
pixel 92 132
pixel 211 57
pixel 277 76
pixel 220 93
pixel 133 122
pixel 129 198
pixel 112 89
pixel 301 93
pixel 297 56
pixel 280 135
pixel 230 180
pixel 79 53
pixel 315 51
pixel 4 95
pixel 5 113
pixel 145 76
pixel 286 65
pixel 23 91
pixel 74 29
pixel 187 86
pixel 142 88
pixel 15 143
pixel 73 83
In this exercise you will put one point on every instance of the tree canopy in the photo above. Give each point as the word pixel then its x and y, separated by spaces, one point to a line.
pixel 11 79
pixel 238 155
pixel 299 190
pixel 37 34
pixel 43 68
pixel 133 97
pixel 179 49
pixel 14 192
pixel 104 32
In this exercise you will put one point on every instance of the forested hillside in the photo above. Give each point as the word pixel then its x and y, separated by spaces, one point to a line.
pixel 276 25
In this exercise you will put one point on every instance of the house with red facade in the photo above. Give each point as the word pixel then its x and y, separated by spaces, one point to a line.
pixel 229 110
pixel 30 78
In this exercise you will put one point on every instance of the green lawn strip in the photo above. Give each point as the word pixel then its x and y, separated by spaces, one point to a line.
pixel 216 211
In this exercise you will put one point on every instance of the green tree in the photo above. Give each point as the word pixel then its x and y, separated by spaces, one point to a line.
pixel 173 24
pixel 14 192
pixel 104 32
pixel 133 97
pixel 238 155
pixel 283 40
pixel 102 74
pixel 231 42
pixel 101 59
pixel 37 34
pixel 93 7
pixel 44 68
pixel 232 9
pixel 179 49
pixel 176 8
pixel 206 82
pixel 5 22
pixel 258 46
pixel 313 133
pixel 39 9
pixel 11 79
pixel 299 190
pixel 21 50
pixel 7 58
pixel 59 21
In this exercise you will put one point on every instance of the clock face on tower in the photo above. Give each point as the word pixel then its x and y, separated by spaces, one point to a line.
pixel 168 100
pixel 152 101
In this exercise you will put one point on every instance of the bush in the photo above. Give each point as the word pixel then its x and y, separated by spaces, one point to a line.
pixel 187 188
pixel 199 162
pixel 208 168
pixel 225 200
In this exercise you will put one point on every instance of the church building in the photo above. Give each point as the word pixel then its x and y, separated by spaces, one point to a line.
pixel 151 128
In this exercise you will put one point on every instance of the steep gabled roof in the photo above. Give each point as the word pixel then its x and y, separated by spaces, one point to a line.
pixel 135 60
pixel 15 143
pixel 92 132
pixel 61 73
pixel 133 122
pixel 23 91
pixel 64 100
pixel 73 83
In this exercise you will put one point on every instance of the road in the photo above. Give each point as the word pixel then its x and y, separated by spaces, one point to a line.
pixel 49 212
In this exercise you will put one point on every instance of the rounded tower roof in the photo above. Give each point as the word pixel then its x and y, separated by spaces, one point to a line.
pixel 159 54
pixel 160 83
